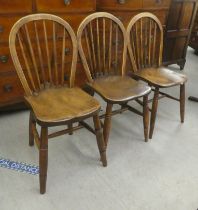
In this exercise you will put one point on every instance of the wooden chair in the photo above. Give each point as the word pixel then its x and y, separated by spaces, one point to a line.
pixel 145 45
pixel 37 45
pixel 102 46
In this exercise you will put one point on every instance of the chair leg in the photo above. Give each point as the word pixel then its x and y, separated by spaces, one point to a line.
pixel 100 139
pixel 182 102
pixel 70 127
pixel 107 123
pixel 145 117
pixel 154 112
pixel 43 159
pixel 32 123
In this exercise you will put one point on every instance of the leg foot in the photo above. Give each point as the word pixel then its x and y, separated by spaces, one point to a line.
pixel 32 123
pixel 182 102
pixel 100 140
pixel 70 127
pixel 43 159
pixel 154 112
pixel 107 123
pixel 145 117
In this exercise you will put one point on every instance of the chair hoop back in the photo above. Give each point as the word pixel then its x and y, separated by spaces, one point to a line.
pixel 105 45
pixel 145 41
pixel 38 44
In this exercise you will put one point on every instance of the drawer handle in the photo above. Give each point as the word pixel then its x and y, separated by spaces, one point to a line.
pixel 7 88
pixel 67 51
pixel 67 2
pixel 1 29
pixel 121 1
pixel 4 58
pixel 158 1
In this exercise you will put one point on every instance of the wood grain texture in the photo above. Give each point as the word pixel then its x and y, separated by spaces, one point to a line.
pixel 149 68
pixel 52 100
pixel 107 76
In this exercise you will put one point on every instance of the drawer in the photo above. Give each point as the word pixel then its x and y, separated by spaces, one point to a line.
pixel 6 24
pixel 10 88
pixel 119 4
pixel 156 3
pixel 16 6
pixel 6 63
pixel 162 16
pixel 74 20
pixel 125 17
pixel 70 6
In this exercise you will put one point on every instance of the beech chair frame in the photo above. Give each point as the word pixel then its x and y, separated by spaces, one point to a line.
pixel 101 62
pixel 146 58
pixel 35 87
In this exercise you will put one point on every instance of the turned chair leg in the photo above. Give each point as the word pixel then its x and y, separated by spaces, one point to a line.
pixel 182 102
pixel 107 123
pixel 145 117
pixel 100 139
pixel 154 112
pixel 43 159
pixel 32 123
pixel 70 127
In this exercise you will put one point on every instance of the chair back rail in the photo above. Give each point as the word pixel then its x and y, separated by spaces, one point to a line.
pixel 38 46
pixel 105 47
pixel 145 41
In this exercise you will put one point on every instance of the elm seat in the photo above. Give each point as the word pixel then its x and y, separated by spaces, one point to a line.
pixel 117 89
pixel 161 77
pixel 62 104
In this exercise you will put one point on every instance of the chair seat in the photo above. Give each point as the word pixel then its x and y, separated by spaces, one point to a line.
pixel 117 89
pixel 161 77
pixel 62 104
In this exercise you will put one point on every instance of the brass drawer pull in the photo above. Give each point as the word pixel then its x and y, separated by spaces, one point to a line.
pixel 67 51
pixel 4 58
pixel 67 2
pixel 8 88
pixel 1 29
pixel 121 1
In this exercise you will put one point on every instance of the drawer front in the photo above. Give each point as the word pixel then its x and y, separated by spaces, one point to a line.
pixel 125 17
pixel 162 16
pixel 70 6
pixel 74 20
pixel 6 24
pixel 119 4
pixel 156 3
pixel 6 63
pixel 10 88
pixel 15 6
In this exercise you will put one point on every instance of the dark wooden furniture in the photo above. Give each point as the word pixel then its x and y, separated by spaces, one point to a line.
pixel 37 45
pixel 73 11
pixel 194 35
pixel 104 60
pixel 11 91
pixel 145 45
pixel 179 26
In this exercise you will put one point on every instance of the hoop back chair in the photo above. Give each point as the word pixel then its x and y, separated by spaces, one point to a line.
pixel 103 46
pixel 145 46
pixel 37 45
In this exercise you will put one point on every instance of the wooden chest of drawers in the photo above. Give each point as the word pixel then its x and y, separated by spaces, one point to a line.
pixel 178 30
pixel 194 35
pixel 126 9
pixel 73 11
